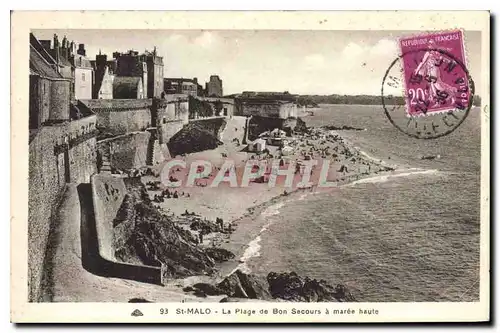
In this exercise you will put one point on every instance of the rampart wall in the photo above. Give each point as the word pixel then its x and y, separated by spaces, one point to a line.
pixel 57 154
pixel 128 151
pixel 108 193
pixel 121 116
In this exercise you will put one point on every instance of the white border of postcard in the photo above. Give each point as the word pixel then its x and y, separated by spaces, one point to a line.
pixel 23 22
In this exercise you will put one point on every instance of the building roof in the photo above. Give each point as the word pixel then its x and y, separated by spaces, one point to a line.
pixel 179 79
pixel 35 43
pixel 39 66
pixel 126 86
pixel 261 101
pixel 81 61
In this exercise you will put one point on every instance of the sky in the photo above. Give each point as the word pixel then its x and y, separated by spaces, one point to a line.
pixel 298 61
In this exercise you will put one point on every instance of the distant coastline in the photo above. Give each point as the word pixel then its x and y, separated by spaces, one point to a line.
pixel 315 100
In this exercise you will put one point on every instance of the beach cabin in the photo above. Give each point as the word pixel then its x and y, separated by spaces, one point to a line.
pixel 257 146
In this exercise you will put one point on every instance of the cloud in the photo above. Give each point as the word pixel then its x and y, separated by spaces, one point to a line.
pixel 175 38
pixel 353 50
pixel 385 47
pixel 206 39
pixel 314 61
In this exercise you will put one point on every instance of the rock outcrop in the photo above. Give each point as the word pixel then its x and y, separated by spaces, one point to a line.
pixel 219 254
pixel 142 235
pixel 277 287
pixel 243 285
pixel 291 287
pixel 191 139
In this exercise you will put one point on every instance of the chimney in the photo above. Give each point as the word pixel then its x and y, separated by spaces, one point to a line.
pixel 56 42
pixel 195 79
pixel 72 49
pixel 101 59
pixel 81 49
pixel 56 48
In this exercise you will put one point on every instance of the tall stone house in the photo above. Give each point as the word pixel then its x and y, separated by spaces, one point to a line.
pixel 148 66
pixel 103 77
pixel 73 64
pixel 213 87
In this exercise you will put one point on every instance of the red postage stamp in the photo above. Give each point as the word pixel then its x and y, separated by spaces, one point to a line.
pixel 435 76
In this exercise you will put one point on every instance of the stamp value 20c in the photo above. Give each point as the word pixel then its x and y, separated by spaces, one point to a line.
pixel 434 74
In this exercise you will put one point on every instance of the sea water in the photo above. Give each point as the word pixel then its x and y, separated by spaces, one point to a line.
pixel 409 237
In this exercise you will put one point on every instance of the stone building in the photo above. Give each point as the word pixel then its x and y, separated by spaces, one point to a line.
pixel 71 63
pixel 62 149
pixel 131 64
pixel 221 106
pixel 149 66
pixel 182 86
pixel 155 74
pixel 103 77
pixel 266 107
pixel 213 88
pixel 83 73
pixel 49 89
pixel 128 87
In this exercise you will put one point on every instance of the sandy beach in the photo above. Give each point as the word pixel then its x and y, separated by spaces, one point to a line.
pixel 242 208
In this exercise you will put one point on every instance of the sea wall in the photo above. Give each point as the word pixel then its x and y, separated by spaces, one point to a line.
pixel 227 108
pixel 172 107
pixel 128 151
pixel 121 116
pixel 57 154
pixel 168 129
pixel 108 193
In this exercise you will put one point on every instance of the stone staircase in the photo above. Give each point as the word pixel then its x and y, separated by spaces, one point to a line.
pixel 105 165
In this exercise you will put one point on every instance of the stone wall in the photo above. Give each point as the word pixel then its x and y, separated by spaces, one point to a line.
pixel 270 109
pixel 168 129
pixel 124 152
pixel 121 116
pixel 83 149
pixel 228 107
pixel 173 107
pixel 57 154
pixel 108 193
pixel 46 182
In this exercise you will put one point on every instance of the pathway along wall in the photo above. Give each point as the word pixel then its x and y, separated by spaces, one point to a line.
pixel 57 154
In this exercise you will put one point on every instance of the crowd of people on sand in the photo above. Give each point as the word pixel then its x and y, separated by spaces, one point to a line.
pixel 168 194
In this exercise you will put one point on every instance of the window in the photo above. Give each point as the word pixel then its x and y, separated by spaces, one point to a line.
pixel 83 77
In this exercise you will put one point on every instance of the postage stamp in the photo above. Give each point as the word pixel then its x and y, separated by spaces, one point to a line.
pixel 435 74
pixel 427 91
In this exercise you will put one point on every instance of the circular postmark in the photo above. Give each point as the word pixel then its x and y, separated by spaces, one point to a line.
pixel 427 93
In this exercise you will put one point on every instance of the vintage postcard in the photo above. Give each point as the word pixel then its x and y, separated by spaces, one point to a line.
pixel 214 167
